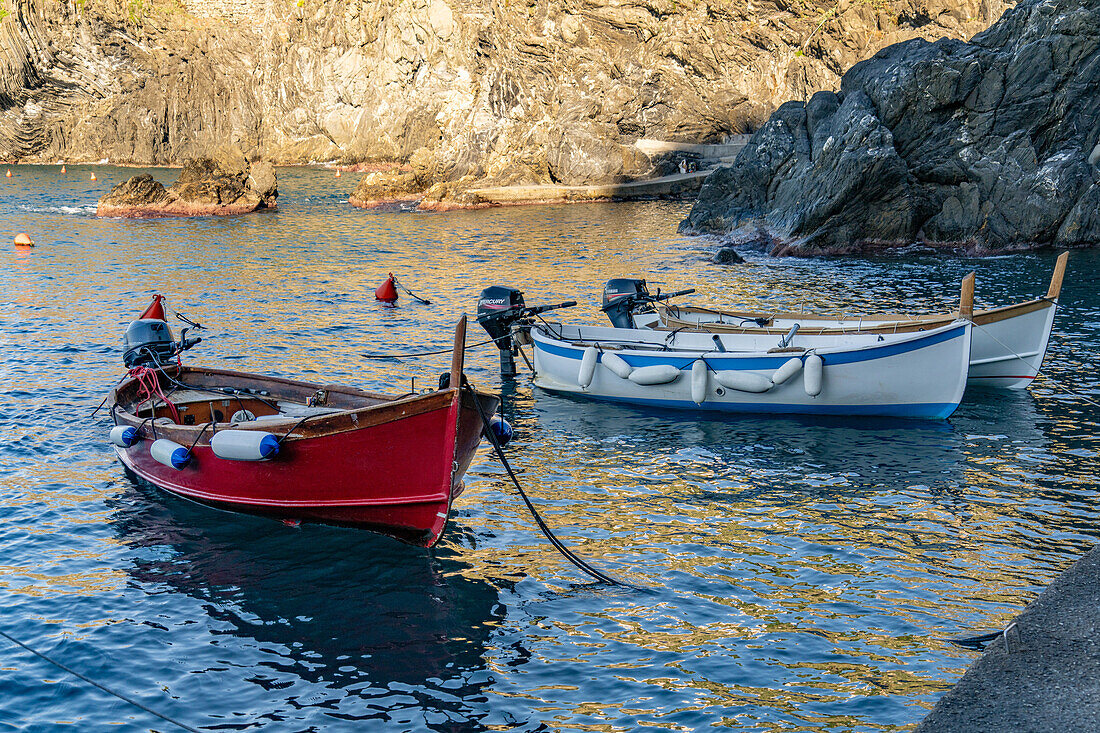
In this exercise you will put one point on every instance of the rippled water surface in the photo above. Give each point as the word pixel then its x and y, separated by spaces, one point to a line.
pixel 801 573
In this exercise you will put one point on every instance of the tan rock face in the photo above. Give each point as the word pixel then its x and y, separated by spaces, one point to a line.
pixel 219 185
pixel 535 90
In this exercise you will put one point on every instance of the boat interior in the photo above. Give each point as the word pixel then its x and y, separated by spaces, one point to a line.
pixel 203 396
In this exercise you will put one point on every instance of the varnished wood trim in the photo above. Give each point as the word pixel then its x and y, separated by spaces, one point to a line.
pixel 966 297
pixel 459 354
pixel 926 323
pixel 1056 279
pixel 378 409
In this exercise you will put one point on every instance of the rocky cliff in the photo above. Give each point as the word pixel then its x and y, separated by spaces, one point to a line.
pixel 991 145
pixel 497 90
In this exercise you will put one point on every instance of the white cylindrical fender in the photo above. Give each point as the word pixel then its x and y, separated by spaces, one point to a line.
pixel 699 381
pixel 588 367
pixel 124 435
pixel 811 380
pixel 790 368
pixel 743 381
pixel 244 445
pixel 617 364
pixel 656 374
pixel 170 453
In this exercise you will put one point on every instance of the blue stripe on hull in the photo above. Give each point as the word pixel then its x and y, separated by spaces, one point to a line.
pixel 719 360
pixel 925 410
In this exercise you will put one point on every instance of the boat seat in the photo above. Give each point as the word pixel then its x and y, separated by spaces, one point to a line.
pixel 298 410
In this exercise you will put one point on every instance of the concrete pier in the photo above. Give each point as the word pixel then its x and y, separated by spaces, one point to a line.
pixel 721 153
pixel 664 187
pixel 1043 674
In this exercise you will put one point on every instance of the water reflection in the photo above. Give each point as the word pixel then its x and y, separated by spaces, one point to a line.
pixel 801 571
pixel 392 613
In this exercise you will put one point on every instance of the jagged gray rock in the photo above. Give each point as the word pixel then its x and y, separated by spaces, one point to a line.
pixel 554 91
pixel 728 256
pixel 990 145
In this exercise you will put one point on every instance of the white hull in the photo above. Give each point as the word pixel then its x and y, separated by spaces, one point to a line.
pixel 1009 353
pixel 909 375
pixel 1009 342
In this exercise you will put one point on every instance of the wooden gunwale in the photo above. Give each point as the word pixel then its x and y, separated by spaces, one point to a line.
pixel 385 408
pixel 887 323
pixel 980 318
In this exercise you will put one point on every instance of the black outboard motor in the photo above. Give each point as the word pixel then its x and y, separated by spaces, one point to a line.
pixel 147 341
pixel 625 296
pixel 622 298
pixel 497 309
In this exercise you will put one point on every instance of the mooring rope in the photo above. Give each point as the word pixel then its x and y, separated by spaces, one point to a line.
pixel 401 285
pixel 558 544
pixel 1041 372
pixel 93 683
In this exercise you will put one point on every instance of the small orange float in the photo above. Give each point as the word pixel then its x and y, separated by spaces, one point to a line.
pixel 93 177
pixel 337 172
pixel 62 167
pixel 387 291
pixel 8 174
pixel 23 240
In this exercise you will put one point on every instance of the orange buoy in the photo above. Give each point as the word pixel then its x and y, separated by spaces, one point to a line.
pixel 387 291
pixel 155 309
pixel 93 177
pixel 62 167
pixel 9 173
pixel 337 172
pixel 23 240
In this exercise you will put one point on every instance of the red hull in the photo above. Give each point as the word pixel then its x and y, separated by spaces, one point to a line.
pixel 392 467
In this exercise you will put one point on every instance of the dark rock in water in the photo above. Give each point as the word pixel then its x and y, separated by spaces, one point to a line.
pixel 219 185
pixel 139 191
pixel 990 145
pixel 728 256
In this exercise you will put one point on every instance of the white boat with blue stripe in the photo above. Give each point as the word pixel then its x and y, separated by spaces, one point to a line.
pixel 918 375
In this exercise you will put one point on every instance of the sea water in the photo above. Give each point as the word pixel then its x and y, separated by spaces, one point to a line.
pixel 799 574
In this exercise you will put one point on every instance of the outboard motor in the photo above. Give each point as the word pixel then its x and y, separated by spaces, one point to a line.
pixel 147 341
pixel 498 310
pixel 622 298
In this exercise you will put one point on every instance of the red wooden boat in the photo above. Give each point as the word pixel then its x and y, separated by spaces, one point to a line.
pixel 296 450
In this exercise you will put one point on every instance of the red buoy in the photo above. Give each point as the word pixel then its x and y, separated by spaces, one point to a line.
pixel 387 291
pixel 155 309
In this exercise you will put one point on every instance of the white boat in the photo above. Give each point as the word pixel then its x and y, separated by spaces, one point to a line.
pixel 918 374
pixel 1009 343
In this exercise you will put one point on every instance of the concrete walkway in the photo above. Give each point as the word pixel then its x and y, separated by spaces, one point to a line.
pixel 1048 677
pixel 724 153
pixel 665 186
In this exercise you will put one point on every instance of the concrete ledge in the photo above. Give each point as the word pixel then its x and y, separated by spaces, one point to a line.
pixel 709 152
pixel 1048 677
pixel 669 186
